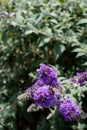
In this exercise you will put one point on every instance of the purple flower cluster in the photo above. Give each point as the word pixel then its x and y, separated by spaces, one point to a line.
pixel 45 93
pixel 31 90
pixel 69 110
pixel 49 76
pixel 81 78
pixel 46 96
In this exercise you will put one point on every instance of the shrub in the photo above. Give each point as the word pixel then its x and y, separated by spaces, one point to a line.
pixel 35 32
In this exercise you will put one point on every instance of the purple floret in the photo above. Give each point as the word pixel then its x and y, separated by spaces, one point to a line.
pixel 31 90
pixel 46 96
pixel 69 110
pixel 49 76
pixel 82 78
pixel 73 80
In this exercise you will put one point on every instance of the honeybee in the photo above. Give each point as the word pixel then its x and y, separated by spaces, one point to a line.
pixel 52 90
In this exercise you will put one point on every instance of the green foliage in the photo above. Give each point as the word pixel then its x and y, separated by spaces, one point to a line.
pixel 34 32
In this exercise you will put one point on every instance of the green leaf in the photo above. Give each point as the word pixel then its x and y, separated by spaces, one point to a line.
pixel 80 54
pixel 4 35
pixel 82 21
pixel 32 28
pixel 58 50
pixel 54 21
pixel 77 50
pixel 28 32
pixel 19 17
pixel 43 40
pixel 84 64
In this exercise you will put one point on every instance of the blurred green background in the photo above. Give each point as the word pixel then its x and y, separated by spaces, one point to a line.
pixel 34 32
